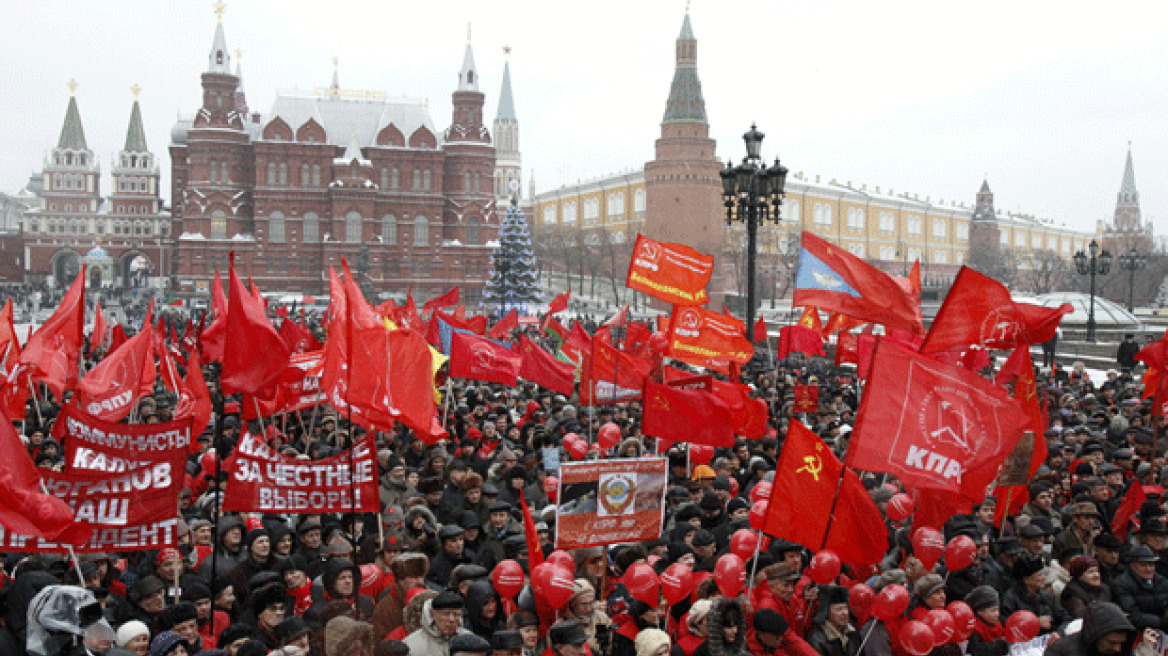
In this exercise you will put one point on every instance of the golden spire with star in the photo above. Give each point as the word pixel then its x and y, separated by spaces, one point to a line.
pixel 72 84
pixel 220 7
pixel 135 90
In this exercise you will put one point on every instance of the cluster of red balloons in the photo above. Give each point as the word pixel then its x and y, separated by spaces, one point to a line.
pixel 955 623
pixel 576 446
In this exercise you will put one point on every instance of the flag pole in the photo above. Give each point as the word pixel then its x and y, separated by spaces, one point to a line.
pixel 1006 515
pixel 72 553
pixel 36 403
pixel 446 400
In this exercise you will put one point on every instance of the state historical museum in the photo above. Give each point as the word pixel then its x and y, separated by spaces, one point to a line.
pixel 330 174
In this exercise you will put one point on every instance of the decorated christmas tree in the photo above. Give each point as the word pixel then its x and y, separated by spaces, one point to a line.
pixel 513 281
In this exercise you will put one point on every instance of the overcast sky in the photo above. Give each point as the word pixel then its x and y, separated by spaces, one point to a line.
pixel 922 97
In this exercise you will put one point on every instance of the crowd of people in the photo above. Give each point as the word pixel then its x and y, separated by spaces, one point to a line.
pixel 415 579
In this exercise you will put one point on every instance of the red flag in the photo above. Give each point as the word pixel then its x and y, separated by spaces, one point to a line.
pixel 797 339
pixel 806 398
pixel 912 286
pixel 833 279
pixel 446 300
pixel 543 369
pixel 534 552
pixel 9 342
pixel 760 331
pixel 559 303
pixel 110 390
pixel 935 507
pixel 979 310
pixel 933 425
pixel 99 326
pixel 298 338
pixel 839 323
pixel 620 318
pixel 810 319
pixel 24 508
pixel 52 351
pixel 1128 508
pixel 847 349
pixel 609 375
pixel 800 508
pixel 1018 371
pixel 503 328
pixel 750 414
pixel 176 303
pixel 194 399
pixel 579 342
pixel 190 340
pixel 481 359
pixel 477 325
pixel 1155 355
pixel 674 273
pixel 550 325
pixel 117 338
pixel 685 415
pixel 709 339
pixel 253 353
pixel 212 336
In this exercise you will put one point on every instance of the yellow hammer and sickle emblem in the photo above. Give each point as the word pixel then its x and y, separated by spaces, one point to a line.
pixel 813 466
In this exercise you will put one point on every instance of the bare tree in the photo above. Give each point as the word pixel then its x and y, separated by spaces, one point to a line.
pixel 1048 272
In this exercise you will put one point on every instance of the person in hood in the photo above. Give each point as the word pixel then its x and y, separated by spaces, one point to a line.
pixel 394 488
pixel 62 619
pixel 441 621
pixel 725 629
pixel 483 614
pixel 257 557
pixel 21 591
pixel 228 550
pixel 416 598
pixel 341 580
pixel 1106 632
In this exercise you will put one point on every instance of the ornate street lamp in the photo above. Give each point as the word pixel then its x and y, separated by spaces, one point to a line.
pixel 752 193
pixel 1131 262
pixel 1095 264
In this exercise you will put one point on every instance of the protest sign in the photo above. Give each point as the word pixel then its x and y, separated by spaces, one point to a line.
pixel 131 511
pixel 674 273
pixel 262 480
pixel 610 501
pixel 94 444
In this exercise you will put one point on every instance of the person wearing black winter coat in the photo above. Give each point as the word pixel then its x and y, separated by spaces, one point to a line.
pixel 831 633
pixel 1141 592
pixel 1027 593
pixel 1106 632
pixel 341 579
pixel 19 595
pixel 726 629
pixel 483 613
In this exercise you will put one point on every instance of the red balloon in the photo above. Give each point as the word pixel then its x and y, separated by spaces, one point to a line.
pixel 860 599
pixel 701 454
pixel 551 487
pixel 960 553
pixel 540 579
pixel 508 578
pixel 917 638
pixel 943 626
pixel 578 449
pixel 758 514
pixel 760 491
pixel 609 436
pixel 570 437
pixel 900 507
pixel 963 619
pixel 733 486
pixel 563 559
pixel 1022 627
pixel 891 602
pixel 595 448
pixel 560 586
pixel 677 582
pixel 659 343
pixel 825 567
pixel 743 543
pixel 643 584
pixel 730 573
pixel 928 545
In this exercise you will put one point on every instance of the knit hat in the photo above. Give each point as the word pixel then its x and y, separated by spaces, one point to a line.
pixel 166 642
pixel 982 597
pixel 1080 564
pixel 131 630
pixel 649 641
pixel 698 612
pixel 927 585
pixel 1026 565
pixel 768 620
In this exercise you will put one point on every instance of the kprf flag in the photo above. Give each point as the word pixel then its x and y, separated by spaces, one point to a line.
pixel 978 310
pixel 832 279
pixel 543 369
pixel 684 415
pixel 933 425
pixel 559 303
pixel 699 336
pixel 111 389
pixel 674 273
pixel 800 508
pixel 609 375
pixel 810 319
pixel 52 351
pixel 503 328
pixel 481 359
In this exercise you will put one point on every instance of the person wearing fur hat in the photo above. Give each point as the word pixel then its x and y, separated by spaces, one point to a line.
pixel 421 530
pixel 652 642
pixel 183 619
pixel 341 580
pixel 409 570
pixel 1085 588
pixel 344 636
pixel 441 620
pixel 725 629
pixel 831 633
pixel 269 605
pixel 583 608
pixel 1029 593
pixel 258 558
pixel 988 637
pixel 472 495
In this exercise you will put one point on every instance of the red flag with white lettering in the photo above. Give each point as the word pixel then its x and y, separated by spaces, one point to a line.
pixel 481 359
pixel 109 390
pixel 933 425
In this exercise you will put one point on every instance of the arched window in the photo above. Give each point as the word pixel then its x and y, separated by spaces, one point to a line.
pixel 389 229
pixel 271 174
pixel 353 227
pixel 426 180
pixel 276 227
pixel 316 176
pixel 417 180
pixel 421 231
pixel 395 183
pixel 218 224
pixel 283 174
pixel 305 181
pixel 311 231
pixel 384 178
pixel 473 230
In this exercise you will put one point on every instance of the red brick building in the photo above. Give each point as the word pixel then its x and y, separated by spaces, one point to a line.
pixel 330 174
